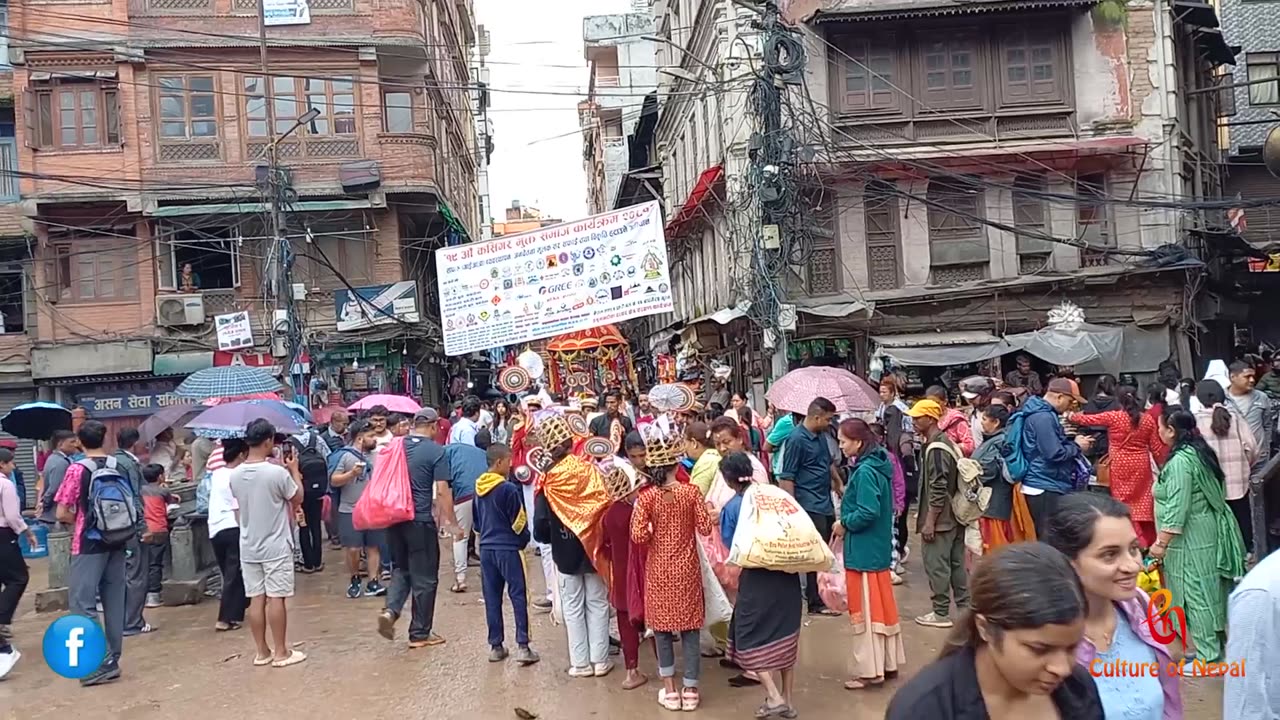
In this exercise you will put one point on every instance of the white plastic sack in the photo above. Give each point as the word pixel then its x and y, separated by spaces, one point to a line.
pixel 714 600
pixel 775 533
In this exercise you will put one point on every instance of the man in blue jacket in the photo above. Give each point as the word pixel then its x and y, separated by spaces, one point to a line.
pixel 1051 457
pixel 504 533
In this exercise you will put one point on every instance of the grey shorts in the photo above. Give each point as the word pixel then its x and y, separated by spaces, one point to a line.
pixel 350 537
pixel 273 578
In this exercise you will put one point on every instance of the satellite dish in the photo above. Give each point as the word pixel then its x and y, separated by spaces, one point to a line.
pixel 1271 151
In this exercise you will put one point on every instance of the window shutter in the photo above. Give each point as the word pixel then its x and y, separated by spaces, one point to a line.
pixel 111 116
pixel 30 122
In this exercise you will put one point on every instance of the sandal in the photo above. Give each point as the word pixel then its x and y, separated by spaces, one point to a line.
pixel 294 658
pixel 670 701
pixel 767 711
pixel 458 588
pixel 689 699
pixel 261 661
pixel 860 684
pixel 226 627
pixel 633 683
pixel 742 680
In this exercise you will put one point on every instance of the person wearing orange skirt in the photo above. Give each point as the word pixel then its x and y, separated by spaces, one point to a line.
pixel 1006 519
pixel 866 523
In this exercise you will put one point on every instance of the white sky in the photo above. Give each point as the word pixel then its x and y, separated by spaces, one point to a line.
pixel 537 155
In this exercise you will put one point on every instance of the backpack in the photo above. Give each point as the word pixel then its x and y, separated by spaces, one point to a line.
pixel 110 504
pixel 312 467
pixel 336 456
pixel 966 503
pixel 1015 458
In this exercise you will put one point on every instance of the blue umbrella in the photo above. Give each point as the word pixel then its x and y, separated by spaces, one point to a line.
pixel 229 420
pixel 36 420
pixel 287 406
pixel 228 381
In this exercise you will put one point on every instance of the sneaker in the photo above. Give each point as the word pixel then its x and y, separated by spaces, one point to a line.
pixel 602 669
pixel 898 568
pixel 375 589
pixel 8 660
pixel 906 555
pixel 497 654
pixel 99 606
pixel 353 590
pixel 526 657
pixel 109 672
pixel 387 624
pixel 895 578
pixel 934 620
pixel 542 605
pixel 431 640
pixel 154 601
pixel 386 576
pixel 581 672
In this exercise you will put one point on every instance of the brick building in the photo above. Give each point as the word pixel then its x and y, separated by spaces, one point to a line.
pixel 143 133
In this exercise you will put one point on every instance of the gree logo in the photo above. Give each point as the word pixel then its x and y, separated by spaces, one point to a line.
pixel 1161 616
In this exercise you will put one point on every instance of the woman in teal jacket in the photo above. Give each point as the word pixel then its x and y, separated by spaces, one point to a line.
pixel 866 522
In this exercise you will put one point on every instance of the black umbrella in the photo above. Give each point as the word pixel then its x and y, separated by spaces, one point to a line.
pixel 36 420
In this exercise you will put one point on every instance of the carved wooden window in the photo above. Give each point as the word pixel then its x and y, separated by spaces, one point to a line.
pixel 956 232
pixel 1029 210
pixel 1031 66
pixel 72 115
pixel 880 214
pixel 870 74
pixel 824 271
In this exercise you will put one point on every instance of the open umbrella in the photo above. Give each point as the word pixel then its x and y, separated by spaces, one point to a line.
pixel 848 392
pixel 227 381
pixel 172 416
pixel 229 420
pixel 286 406
pixel 393 403
pixel 36 420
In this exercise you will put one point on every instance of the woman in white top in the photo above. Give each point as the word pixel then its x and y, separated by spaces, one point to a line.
pixel 224 532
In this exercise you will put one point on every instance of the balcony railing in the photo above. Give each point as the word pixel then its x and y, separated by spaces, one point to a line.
pixel 8 170
pixel 607 81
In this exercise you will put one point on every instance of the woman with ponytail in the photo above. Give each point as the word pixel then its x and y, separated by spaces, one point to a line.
pixel 1198 539
pixel 1013 653
pixel 1237 450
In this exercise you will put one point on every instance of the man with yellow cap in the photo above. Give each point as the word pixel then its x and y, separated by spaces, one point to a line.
pixel 941 537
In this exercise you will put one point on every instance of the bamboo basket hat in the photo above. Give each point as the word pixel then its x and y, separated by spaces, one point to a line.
pixel 660 448
pixel 553 431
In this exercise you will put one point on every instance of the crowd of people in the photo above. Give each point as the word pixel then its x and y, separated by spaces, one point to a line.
pixel 1037 513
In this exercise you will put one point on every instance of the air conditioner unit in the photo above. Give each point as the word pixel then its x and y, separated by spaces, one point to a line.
pixel 178 310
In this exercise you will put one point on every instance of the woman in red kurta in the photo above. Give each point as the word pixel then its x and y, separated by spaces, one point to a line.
pixel 1133 437
pixel 665 518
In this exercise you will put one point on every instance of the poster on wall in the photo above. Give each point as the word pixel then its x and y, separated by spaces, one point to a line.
pixel 365 307
pixel 286 12
pixel 554 280
pixel 234 330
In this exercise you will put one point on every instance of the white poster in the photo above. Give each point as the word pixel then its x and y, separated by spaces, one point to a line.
pixel 234 331
pixel 554 280
pixel 286 12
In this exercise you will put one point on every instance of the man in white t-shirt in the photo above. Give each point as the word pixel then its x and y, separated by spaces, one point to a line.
pixel 268 497
pixel 224 530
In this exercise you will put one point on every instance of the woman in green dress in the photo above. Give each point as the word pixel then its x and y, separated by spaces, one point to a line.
pixel 1198 539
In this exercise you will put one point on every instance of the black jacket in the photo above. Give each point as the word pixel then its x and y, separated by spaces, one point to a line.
pixel 948 690
pixel 566 549
pixel 1101 444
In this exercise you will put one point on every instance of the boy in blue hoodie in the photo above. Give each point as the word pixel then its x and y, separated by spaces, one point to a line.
pixel 503 528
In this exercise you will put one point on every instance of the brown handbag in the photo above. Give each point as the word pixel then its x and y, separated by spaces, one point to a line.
pixel 1104 471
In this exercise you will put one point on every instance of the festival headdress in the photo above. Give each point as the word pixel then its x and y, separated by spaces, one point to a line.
pixel 621 480
pixel 661 448
pixel 553 430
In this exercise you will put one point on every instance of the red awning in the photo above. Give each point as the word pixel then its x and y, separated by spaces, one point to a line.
pixel 701 189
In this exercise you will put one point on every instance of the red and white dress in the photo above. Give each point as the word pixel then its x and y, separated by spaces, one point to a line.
pixel 1133 453
pixel 666 519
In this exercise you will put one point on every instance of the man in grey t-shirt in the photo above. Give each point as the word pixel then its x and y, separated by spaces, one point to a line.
pixel 351 471
pixel 267 498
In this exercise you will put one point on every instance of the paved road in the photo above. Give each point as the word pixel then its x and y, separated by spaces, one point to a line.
pixel 187 671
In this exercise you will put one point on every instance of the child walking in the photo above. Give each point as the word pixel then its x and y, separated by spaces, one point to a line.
pixel 155 511
pixel 502 525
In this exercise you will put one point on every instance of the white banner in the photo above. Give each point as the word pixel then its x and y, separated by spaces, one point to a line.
pixel 554 280
pixel 234 331
pixel 286 12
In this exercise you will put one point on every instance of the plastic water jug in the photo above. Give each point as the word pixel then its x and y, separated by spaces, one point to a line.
pixel 42 537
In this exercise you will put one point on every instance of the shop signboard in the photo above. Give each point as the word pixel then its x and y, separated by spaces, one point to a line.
pixel 554 280
pixel 286 12
pixel 234 331
pixel 223 358
pixel 366 307
pixel 127 403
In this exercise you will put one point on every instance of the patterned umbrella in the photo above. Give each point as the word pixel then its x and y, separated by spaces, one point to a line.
pixel 36 420
pixel 174 415
pixel 848 392
pixel 393 403
pixel 229 420
pixel 228 381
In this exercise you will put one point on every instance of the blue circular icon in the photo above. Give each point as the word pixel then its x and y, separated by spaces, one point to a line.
pixel 74 646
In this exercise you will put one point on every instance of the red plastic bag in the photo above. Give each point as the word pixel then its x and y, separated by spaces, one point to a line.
pixel 717 555
pixel 326 509
pixel 832 586
pixel 387 499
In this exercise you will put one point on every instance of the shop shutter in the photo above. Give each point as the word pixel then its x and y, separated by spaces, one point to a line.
pixel 26 454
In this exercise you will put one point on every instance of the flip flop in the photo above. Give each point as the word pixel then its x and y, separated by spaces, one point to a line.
pixel 635 682
pixel 294 658
pixel 261 661
pixel 458 588
pixel 228 628
pixel 767 711
pixel 860 684
pixel 741 680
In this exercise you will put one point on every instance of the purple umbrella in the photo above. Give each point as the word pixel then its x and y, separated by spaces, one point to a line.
pixel 229 420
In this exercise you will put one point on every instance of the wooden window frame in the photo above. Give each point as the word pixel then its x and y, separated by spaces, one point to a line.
pixel 64 271
pixel 42 102
pixel 971 40
pixel 386 115
pixel 955 212
pixel 327 108
pixel 1096 213
pixel 1262 59
pixel 883 230
pixel 187 96
pixel 824 237
pixel 322 277
pixel 1052 92
pixel 1030 214
pixel 866 62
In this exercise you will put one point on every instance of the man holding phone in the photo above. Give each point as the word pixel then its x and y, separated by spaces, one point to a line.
pixel 349 470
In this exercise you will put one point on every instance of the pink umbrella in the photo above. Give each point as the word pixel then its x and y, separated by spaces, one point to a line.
pixel 848 392
pixel 394 403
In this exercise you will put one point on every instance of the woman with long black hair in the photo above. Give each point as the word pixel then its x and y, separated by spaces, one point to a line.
pixel 1013 654
pixel 1235 446
pixel 1197 537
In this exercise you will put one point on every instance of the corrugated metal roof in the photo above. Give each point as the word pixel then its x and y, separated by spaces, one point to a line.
pixel 865 10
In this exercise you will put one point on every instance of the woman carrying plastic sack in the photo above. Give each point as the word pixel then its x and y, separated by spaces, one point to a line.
pixel 866 523
pixel 764 634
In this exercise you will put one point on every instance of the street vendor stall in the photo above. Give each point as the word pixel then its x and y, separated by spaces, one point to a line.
pixel 590 361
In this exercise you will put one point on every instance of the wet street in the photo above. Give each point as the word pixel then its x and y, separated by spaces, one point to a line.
pixel 185 670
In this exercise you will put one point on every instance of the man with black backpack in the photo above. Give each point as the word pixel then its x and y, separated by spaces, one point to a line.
pixel 313 463
pixel 97 498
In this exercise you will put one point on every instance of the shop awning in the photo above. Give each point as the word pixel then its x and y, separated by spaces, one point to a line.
pixel 181 363
pixel 835 310
pixel 959 347
pixel 697 195
pixel 724 316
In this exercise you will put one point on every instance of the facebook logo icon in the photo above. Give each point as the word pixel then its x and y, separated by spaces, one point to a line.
pixel 74 646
